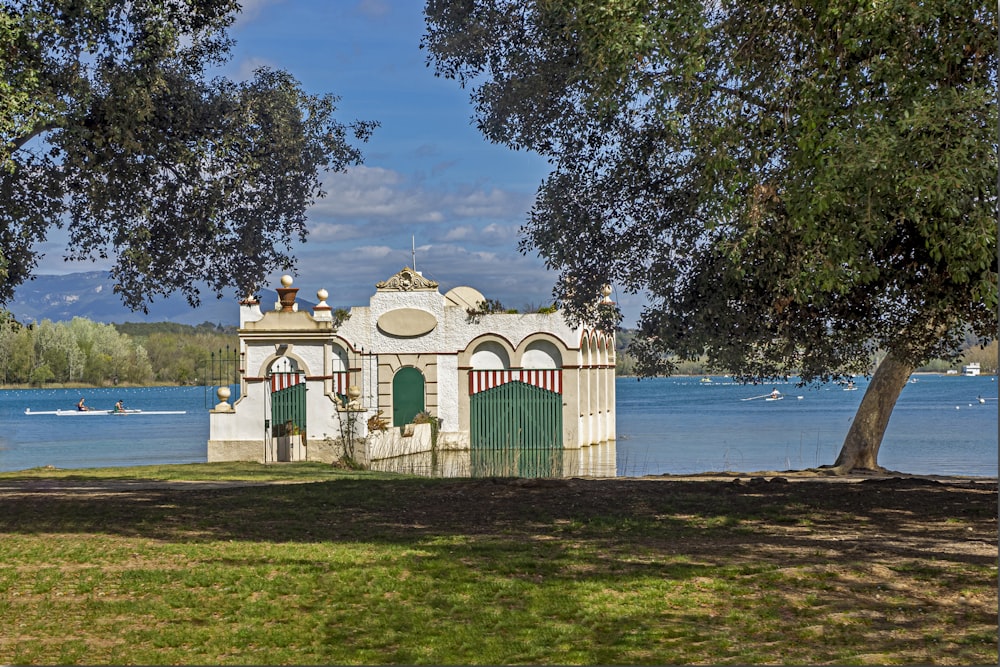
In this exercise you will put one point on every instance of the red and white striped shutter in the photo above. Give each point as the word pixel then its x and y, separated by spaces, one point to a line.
pixel 483 380
pixel 340 383
pixel 550 380
pixel 281 381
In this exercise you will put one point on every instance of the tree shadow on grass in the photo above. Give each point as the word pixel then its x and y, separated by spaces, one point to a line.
pixel 735 561
pixel 911 518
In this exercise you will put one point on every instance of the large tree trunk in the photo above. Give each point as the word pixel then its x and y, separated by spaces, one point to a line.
pixel 860 449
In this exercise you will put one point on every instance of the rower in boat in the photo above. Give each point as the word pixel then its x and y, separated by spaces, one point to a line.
pixel 775 394
pixel 120 406
pixel 80 406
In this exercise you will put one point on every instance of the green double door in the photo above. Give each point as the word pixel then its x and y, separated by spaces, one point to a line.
pixel 516 431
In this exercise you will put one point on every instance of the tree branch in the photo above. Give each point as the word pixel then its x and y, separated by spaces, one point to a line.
pixel 19 142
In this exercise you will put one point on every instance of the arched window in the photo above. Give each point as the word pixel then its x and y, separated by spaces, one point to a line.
pixel 541 354
pixel 490 356
pixel 284 365
pixel 338 359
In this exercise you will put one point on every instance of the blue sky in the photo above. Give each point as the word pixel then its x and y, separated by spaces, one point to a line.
pixel 428 174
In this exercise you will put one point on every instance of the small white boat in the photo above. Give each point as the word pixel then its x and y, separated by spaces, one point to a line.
pixel 87 413
pixel 773 396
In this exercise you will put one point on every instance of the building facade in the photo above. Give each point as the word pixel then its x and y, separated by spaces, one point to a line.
pixel 420 382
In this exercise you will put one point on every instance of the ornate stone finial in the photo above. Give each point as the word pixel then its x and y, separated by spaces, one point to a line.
pixel 353 403
pixel 223 406
pixel 353 394
pixel 606 294
pixel 406 280
pixel 322 310
pixel 286 294
pixel 322 294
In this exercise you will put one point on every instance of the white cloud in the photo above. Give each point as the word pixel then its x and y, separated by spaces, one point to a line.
pixel 322 232
pixel 500 234
pixel 375 192
pixel 493 234
pixel 250 65
pixel 485 256
pixel 371 252
pixel 375 9
pixel 250 9
pixel 480 204
pixel 459 233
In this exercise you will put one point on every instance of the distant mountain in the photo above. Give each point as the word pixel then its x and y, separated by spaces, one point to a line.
pixel 91 295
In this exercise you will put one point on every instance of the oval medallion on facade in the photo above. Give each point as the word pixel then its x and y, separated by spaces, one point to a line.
pixel 407 322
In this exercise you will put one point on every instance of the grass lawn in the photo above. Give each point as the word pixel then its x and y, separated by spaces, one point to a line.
pixel 306 564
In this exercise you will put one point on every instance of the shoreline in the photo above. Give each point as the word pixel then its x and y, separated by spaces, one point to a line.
pixel 63 479
pixel 797 476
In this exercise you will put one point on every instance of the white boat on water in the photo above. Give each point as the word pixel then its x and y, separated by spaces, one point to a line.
pixel 88 413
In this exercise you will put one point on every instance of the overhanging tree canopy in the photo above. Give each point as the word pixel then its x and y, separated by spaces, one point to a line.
pixel 796 185
pixel 110 125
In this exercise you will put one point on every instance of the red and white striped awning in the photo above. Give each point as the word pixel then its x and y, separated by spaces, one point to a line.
pixel 550 380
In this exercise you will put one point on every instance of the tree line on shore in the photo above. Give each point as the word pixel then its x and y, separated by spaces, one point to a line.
pixel 91 353
pixel 986 356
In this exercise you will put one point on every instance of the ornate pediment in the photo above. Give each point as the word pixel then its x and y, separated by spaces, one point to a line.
pixel 406 280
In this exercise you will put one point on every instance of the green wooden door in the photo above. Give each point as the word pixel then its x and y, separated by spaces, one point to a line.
pixel 516 431
pixel 407 395
pixel 288 403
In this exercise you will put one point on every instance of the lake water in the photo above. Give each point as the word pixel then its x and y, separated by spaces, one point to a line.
pixel 681 425
pixel 665 425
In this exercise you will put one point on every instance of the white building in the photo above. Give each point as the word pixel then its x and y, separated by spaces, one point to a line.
pixel 510 394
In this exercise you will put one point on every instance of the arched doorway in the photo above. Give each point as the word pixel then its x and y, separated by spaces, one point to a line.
pixel 515 415
pixel 407 395
pixel 287 413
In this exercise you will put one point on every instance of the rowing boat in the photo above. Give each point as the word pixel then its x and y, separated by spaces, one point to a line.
pixel 84 413
pixel 769 397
